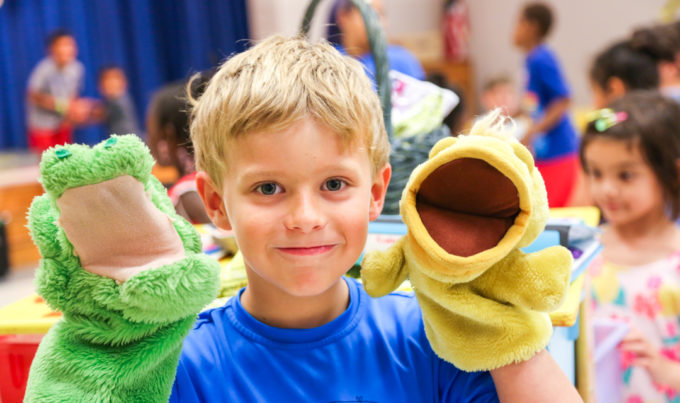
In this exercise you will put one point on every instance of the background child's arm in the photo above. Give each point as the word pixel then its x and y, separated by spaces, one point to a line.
pixel 538 379
pixel 661 369
pixel 124 269
pixel 553 113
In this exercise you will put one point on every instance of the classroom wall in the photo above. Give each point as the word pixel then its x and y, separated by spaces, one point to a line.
pixel 583 28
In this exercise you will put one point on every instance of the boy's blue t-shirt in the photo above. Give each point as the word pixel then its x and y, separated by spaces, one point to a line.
pixel 545 83
pixel 400 60
pixel 376 351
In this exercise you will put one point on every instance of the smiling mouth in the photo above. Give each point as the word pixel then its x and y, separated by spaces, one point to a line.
pixel 307 251
pixel 610 206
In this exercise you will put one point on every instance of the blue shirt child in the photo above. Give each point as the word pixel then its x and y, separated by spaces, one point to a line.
pixel 376 351
pixel 545 83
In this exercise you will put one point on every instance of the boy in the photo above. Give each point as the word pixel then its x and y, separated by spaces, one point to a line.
pixel 118 111
pixel 346 30
pixel 297 178
pixel 53 87
pixel 500 92
pixel 552 135
pixel 292 156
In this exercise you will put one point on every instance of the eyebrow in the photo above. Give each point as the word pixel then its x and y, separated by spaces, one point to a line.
pixel 254 174
pixel 629 165
pixel 618 166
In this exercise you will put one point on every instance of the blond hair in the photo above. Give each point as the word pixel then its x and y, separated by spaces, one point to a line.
pixel 278 82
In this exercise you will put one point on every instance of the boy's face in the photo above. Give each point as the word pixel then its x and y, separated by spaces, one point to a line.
pixel 351 23
pixel 63 50
pixel 501 96
pixel 299 204
pixel 113 83
pixel 525 33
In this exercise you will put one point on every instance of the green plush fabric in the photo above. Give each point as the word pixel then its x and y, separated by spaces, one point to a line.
pixel 117 342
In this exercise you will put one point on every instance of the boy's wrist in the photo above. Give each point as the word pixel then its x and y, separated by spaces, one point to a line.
pixel 536 379
pixel 61 106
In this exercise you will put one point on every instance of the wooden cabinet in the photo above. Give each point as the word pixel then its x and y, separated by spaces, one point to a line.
pixel 15 200
pixel 459 73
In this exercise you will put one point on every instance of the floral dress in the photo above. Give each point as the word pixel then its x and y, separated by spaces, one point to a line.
pixel 646 297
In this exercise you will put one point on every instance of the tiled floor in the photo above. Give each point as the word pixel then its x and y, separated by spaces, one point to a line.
pixel 16 285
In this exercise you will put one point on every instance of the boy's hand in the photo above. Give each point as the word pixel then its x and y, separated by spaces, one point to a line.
pixel 105 214
pixel 79 110
pixel 115 229
pixel 104 217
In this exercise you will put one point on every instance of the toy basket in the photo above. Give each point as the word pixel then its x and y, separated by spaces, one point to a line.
pixel 406 152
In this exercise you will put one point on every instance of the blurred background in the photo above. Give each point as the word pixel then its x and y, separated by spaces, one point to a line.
pixel 156 42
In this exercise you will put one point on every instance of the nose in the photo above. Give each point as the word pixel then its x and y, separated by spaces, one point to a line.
pixel 608 187
pixel 305 213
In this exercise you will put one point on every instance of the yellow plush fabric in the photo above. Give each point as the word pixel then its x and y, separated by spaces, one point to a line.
pixel 487 309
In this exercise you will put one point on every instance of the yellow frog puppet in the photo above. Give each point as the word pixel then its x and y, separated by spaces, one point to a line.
pixel 469 209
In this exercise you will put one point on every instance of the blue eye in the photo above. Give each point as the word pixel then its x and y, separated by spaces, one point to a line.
pixel 334 184
pixel 268 188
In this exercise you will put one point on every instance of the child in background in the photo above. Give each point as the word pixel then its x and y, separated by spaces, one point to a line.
pixel 347 32
pixel 500 92
pixel 170 143
pixel 618 69
pixel 662 43
pixel 118 111
pixel 552 135
pixel 631 155
pixel 53 102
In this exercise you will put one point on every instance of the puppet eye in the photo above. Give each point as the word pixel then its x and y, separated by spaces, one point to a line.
pixel 110 142
pixel 62 153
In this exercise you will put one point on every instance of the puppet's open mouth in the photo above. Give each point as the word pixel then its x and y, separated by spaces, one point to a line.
pixel 467 206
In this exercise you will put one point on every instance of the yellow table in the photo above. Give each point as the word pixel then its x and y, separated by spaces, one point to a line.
pixel 28 315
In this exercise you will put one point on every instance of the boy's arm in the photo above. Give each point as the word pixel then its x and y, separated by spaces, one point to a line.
pixel 47 101
pixel 538 379
pixel 124 269
pixel 553 113
pixel 37 96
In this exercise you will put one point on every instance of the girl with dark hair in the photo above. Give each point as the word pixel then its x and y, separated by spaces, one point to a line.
pixel 662 43
pixel 620 68
pixel 170 143
pixel 630 153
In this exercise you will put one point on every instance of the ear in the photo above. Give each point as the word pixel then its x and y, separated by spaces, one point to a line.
pixel 212 200
pixel 667 71
pixel 378 190
pixel 615 88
